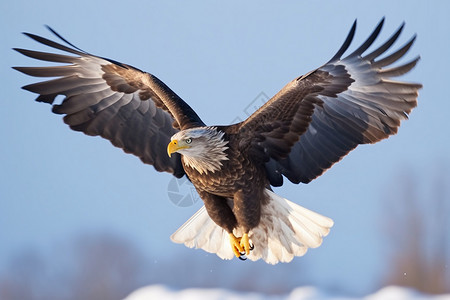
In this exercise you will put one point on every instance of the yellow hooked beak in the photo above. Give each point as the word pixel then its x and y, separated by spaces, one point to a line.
pixel 174 146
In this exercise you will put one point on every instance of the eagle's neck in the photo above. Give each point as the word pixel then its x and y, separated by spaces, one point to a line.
pixel 208 155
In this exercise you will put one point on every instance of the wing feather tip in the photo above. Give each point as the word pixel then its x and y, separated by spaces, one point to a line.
pixel 346 44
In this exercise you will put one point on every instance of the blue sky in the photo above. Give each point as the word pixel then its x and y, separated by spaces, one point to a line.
pixel 56 183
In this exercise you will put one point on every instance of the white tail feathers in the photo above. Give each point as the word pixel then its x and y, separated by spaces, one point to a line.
pixel 286 230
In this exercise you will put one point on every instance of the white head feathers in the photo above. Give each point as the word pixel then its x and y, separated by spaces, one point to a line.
pixel 206 149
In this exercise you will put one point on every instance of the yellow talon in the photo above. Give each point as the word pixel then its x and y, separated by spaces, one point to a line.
pixel 236 245
pixel 245 244
pixel 240 245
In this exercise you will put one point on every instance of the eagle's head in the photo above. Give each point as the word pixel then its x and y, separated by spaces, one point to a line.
pixel 202 148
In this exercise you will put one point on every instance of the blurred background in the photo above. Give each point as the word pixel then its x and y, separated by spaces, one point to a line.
pixel 79 219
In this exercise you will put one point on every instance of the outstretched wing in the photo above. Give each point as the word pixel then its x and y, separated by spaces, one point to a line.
pixel 133 109
pixel 318 118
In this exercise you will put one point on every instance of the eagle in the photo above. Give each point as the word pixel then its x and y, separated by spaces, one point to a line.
pixel 310 124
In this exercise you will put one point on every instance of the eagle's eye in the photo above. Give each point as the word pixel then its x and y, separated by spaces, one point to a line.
pixel 188 141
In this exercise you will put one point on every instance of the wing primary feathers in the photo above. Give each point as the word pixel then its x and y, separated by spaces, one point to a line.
pixel 398 71
pixel 51 57
pixel 46 71
pixel 369 40
pixel 345 45
pixel 383 48
pixel 394 56
pixel 53 44
pixel 63 39
pixel 81 50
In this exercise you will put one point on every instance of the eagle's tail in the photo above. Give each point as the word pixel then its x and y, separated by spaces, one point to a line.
pixel 286 230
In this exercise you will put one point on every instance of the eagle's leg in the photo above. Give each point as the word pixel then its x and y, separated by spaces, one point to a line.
pixel 247 209
pixel 222 214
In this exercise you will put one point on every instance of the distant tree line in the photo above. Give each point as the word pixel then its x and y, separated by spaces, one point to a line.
pixel 418 231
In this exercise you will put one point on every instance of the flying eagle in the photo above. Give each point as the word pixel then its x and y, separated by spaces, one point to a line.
pixel 312 123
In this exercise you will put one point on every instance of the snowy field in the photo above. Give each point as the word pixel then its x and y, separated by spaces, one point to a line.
pixel 301 293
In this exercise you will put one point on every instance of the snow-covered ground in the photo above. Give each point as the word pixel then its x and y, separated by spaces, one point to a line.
pixel 301 293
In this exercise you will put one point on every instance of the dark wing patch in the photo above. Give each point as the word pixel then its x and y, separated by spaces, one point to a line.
pixel 355 102
pixel 131 108
pixel 272 131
